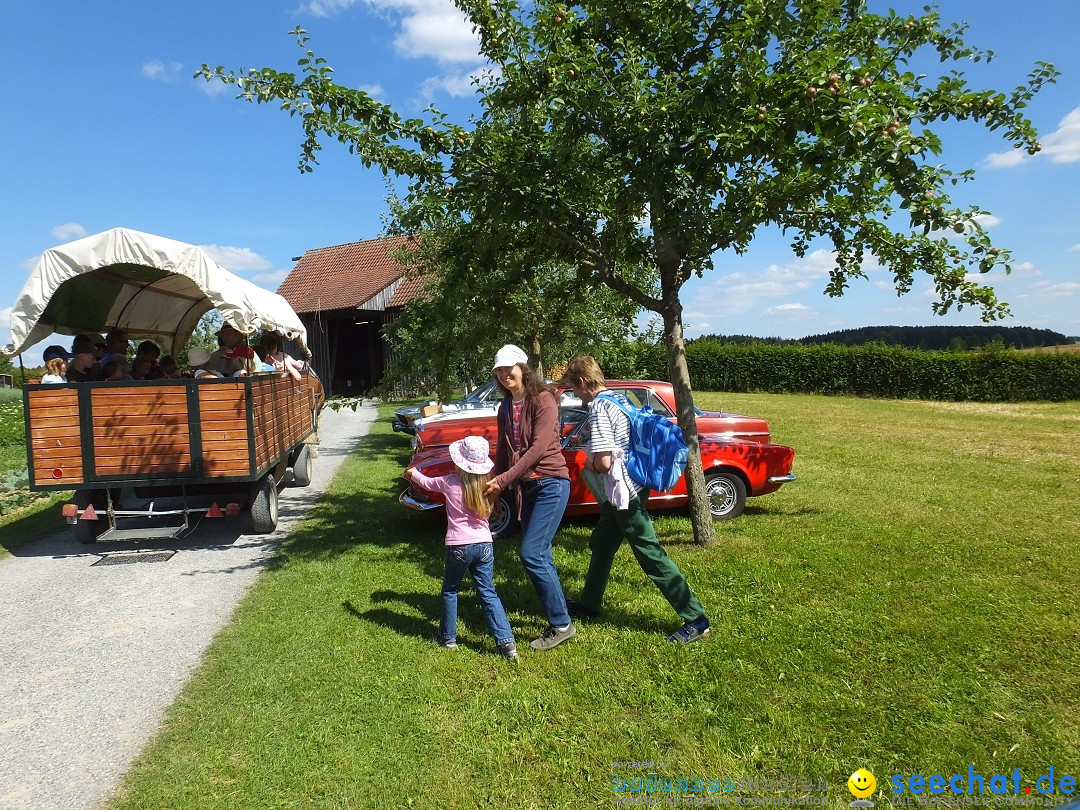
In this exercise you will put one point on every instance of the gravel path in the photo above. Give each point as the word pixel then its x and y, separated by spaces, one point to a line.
pixel 91 656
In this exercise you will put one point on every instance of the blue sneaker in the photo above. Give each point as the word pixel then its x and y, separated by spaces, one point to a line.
pixel 691 631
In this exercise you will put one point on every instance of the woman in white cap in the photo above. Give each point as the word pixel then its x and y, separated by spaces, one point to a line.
pixel 468 541
pixel 529 458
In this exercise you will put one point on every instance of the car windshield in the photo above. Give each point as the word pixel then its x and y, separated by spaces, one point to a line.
pixel 639 397
pixel 488 393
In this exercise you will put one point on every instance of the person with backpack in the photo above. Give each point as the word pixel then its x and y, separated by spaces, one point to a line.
pixel 529 459
pixel 608 446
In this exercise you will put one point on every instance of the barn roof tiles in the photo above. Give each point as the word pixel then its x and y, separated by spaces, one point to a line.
pixel 357 275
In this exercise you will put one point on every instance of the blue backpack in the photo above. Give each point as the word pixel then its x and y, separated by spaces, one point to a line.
pixel 658 452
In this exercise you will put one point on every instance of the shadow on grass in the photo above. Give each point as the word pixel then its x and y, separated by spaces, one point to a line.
pixel 369 516
pixel 32 522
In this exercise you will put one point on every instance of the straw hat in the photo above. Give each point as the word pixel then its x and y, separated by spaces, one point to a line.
pixel 198 357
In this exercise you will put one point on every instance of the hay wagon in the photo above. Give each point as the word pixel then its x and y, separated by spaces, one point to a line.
pixel 170 442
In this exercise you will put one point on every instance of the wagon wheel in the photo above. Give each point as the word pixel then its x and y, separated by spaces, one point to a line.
pixel 503 518
pixel 301 467
pixel 264 506
pixel 88 531
pixel 726 493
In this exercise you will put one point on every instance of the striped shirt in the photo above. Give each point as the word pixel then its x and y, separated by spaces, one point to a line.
pixel 516 409
pixel 610 430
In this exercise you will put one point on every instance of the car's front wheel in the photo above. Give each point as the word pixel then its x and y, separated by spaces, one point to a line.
pixel 726 493
pixel 503 518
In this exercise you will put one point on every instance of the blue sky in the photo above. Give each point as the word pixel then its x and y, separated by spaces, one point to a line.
pixel 104 126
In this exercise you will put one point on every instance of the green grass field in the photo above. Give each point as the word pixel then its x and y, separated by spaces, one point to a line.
pixel 908 606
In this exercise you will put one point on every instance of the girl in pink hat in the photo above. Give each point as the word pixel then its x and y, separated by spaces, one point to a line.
pixel 468 541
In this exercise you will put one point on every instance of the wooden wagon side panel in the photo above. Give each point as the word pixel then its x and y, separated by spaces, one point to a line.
pixel 140 431
pixel 281 416
pixel 223 421
pixel 52 426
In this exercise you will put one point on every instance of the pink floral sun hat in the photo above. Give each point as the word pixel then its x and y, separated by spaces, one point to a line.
pixel 472 454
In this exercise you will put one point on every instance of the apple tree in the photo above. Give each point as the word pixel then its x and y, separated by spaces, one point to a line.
pixel 666 135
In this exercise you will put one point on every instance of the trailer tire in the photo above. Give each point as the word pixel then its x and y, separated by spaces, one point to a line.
pixel 302 467
pixel 264 506
pixel 88 531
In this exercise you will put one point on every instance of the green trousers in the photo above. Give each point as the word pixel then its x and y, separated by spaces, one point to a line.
pixel 634 524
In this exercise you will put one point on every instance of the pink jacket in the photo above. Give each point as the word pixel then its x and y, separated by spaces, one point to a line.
pixel 463 526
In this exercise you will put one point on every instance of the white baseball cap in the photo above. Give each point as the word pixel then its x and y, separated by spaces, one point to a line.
pixel 510 355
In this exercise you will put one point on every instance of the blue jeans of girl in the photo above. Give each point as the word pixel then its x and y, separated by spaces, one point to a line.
pixel 478 559
pixel 543 501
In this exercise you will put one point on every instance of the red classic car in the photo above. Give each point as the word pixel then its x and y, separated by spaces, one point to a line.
pixel 444 428
pixel 734 469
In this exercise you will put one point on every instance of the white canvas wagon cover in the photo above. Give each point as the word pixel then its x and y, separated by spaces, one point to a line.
pixel 151 287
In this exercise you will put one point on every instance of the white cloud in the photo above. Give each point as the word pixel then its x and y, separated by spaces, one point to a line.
pixel 1060 146
pixel 1044 291
pixel 458 85
pixel 1063 144
pixel 327 8
pixel 68 231
pixel 426 28
pixel 212 88
pixel 1005 160
pixel 733 295
pixel 159 71
pixel 376 91
pixel 270 280
pixel 237 259
pixel 792 312
pixel 1075 248
pixel 433 28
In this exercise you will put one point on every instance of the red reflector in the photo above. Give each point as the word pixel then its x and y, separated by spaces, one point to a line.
pixel 232 509
pixel 89 513
pixel 57 473
pixel 214 511
pixel 69 510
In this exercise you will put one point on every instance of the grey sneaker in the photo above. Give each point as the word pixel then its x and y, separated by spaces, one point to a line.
pixel 553 637
pixel 691 632
pixel 446 644
pixel 507 651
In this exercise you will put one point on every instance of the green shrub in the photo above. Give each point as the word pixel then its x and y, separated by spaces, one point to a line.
pixel 994 374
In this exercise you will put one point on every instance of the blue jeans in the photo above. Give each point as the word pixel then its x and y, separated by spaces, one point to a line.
pixel 479 560
pixel 543 501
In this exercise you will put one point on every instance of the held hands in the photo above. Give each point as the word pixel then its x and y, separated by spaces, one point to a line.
pixel 492 489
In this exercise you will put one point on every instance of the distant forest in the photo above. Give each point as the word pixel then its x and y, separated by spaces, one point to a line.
pixel 920 337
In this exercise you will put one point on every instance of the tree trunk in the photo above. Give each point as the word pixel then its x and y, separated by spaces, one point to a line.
pixel 679 373
pixel 535 347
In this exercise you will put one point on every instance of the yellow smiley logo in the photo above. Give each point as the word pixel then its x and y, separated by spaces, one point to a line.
pixel 861 783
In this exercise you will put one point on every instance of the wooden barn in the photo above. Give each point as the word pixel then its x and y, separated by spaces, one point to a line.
pixel 345 295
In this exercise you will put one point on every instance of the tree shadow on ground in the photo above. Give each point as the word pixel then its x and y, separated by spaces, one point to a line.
pixel 371 516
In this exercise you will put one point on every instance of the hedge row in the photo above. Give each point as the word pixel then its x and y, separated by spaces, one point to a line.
pixel 872 370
